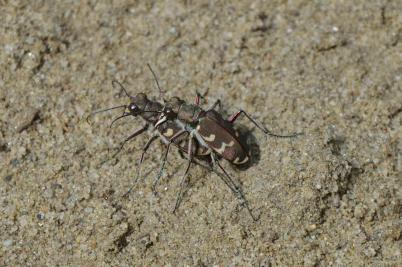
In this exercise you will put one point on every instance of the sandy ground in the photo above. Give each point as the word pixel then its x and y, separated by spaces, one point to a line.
pixel 332 69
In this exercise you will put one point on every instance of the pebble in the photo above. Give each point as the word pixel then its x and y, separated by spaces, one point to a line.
pixel 8 243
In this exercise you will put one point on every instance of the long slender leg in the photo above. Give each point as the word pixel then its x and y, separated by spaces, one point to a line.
pixel 223 177
pixel 226 179
pixel 217 103
pixel 210 166
pixel 138 132
pixel 190 158
pixel 199 96
pixel 205 165
pixel 158 177
pixel 156 181
pixel 144 150
pixel 231 184
pixel 233 118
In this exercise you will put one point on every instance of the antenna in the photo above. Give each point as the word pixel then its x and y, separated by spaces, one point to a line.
pixel 156 80
pixel 114 82
pixel 104 110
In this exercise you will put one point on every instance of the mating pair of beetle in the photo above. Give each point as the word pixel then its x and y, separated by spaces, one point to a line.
pixel 203 136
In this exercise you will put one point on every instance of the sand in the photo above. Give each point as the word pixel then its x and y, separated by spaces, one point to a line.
pixel 330 69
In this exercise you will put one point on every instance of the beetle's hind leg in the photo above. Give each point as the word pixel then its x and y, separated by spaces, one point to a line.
pixel 232 185
pixel 234 117
pixel 183 179
pixel 216 104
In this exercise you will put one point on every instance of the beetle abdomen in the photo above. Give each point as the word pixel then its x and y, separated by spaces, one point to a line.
pixel 222 138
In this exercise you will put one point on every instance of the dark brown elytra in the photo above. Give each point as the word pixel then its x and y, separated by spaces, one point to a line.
pixel 170 132
pixel 212 130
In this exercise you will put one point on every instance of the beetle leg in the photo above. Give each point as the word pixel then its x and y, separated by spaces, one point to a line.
pixel 211 166
pixel 181 153
pixel 232 185
pixel 217 103
pixel 144 150
pixel 162 119
pixel 233 118
pixel 155 183
pixel 198 98
pixel 138 132
pixel 158 177
pixel 223 177
pixel 190 159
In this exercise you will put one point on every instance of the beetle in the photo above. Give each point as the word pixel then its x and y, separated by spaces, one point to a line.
pixel 211 129
pixel 170 132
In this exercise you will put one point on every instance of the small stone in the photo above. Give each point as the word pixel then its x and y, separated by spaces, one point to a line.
pixel 14 162
pixel 311 227
pixel 8 243
pixel 40 216
pixel 173 31
pixel 9 49
pixel 370 252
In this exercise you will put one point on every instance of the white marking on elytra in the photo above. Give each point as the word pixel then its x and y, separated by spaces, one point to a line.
pixel 223 147
pixel 210 138
pixel 169 132
pixel 237 133
pixel 203 152
pixel 237 160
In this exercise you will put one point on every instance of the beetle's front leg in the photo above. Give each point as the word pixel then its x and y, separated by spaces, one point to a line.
pixel 144 150
pixel 156 181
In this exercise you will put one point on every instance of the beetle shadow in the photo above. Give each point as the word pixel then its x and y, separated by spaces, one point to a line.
pixel 253 147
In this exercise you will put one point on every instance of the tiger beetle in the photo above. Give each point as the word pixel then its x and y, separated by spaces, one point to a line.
pixel 171 132
pixel 211 129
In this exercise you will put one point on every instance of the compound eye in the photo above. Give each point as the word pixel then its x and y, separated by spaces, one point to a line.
pixel 132 107
pixel 169 113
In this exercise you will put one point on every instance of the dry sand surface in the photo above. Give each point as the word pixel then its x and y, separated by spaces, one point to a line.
pixel 331 69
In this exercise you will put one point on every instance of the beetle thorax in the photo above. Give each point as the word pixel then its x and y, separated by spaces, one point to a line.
pixel 189 113
pixel 174 104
